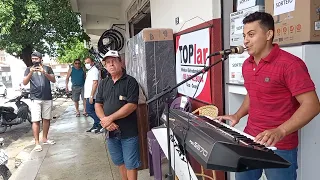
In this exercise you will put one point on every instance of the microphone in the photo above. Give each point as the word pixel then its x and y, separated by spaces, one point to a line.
pixel 235 50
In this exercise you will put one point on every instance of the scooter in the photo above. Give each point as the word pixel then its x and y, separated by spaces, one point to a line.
pixel 15 113
pixel 4 170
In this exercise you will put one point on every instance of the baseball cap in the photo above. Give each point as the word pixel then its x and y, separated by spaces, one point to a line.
pixel 111 53
pixel 36 54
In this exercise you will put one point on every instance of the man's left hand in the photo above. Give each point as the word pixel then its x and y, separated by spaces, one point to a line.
pixel 106 121
pixel 40 68
pixel 91 100
pixel 270 137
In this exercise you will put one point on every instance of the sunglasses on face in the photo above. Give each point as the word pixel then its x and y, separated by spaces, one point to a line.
pixel 76 63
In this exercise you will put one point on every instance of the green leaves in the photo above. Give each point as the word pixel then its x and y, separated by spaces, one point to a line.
pixel 72 50
pixel 42 25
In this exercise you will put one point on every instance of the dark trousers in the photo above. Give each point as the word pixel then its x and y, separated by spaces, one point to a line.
pixel 92 113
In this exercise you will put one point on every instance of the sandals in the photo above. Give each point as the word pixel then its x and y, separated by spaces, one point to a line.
pixel 78 115
pixel 37 148
pixel 50 142
pixel 85 114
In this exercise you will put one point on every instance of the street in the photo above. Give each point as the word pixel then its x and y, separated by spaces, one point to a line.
pixel 15 132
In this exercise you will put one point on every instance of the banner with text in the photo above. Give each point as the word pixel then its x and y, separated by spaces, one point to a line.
pixel 235 67
pixel 192 50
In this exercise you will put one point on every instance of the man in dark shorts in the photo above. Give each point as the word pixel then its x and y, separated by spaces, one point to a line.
pixel 78 75
pixel 116 105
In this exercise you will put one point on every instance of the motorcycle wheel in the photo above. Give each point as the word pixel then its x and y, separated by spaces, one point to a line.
pixel 29 117
pixel 3 129
pixel 4 172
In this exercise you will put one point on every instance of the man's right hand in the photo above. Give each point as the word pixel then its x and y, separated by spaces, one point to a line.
pixel 112 127
pixel 33 69
pixel 233 118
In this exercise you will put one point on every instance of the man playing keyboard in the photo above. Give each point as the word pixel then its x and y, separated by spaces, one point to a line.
pixel 281 96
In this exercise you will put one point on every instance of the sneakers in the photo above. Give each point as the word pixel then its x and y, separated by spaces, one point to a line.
pixel 95 129
pixel 91 129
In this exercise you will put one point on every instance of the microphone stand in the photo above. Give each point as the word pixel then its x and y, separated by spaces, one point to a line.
pixel 170 89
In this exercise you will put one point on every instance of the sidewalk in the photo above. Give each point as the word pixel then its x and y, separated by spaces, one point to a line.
pixel 76 154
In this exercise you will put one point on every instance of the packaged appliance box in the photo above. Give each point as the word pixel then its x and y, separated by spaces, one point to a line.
pixel 236 25
pixel 296 21
pixel 244 4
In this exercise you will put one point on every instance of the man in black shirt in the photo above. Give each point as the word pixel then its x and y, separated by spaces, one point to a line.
pixel 116 105
pixel 40 77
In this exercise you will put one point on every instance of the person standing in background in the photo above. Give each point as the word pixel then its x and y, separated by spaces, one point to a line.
pixel 78 75
pixel 90 92
pixel 40 77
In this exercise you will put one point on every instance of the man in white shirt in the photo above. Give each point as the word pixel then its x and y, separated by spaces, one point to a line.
pixel 90 92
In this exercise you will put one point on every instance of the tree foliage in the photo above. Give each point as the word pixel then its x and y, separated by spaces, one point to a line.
pixel 75 49
pixel 41 25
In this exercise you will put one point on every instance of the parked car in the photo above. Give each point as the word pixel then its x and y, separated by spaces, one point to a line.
pixel 3 89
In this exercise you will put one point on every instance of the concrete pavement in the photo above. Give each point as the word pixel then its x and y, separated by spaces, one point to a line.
pixel 76 154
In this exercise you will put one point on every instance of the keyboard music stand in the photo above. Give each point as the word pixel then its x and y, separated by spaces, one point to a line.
pixel 170 89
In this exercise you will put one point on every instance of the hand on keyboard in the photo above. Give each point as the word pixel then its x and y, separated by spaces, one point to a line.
pixel 233 118
pixel 270 137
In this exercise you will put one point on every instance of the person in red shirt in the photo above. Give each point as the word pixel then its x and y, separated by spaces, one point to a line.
pixel 281 96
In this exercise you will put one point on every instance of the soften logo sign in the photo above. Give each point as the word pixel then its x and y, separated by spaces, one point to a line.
pixel 192 50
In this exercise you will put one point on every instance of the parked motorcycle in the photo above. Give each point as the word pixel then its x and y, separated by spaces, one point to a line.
pixel 15 112
pixel 61 92
pixel 4 170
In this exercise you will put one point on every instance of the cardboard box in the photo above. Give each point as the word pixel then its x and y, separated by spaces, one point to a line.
pixel 236 25
pixel 150 34
pixel 166 34
pixel 244 4
pixel 296 21
pixel 157 34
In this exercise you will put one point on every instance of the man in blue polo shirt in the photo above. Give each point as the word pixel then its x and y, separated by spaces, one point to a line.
pixel 116 105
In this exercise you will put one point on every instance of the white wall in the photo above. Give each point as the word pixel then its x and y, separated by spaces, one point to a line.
pixel 164 12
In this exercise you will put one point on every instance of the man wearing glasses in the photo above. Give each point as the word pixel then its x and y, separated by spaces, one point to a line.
pixel 78 75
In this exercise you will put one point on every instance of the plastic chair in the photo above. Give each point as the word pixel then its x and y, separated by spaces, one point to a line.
pixel 211 111
pixel 176 104
pixel 155 156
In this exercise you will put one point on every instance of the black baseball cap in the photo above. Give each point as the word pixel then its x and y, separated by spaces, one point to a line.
pixel 37 54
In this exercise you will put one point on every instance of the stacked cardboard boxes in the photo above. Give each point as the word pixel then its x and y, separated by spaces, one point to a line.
pixel 296 21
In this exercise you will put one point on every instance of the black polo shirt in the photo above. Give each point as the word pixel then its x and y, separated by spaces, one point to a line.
pixel 115 95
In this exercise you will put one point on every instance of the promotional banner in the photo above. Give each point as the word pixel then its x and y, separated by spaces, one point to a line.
pixel 192 50
pixel 235 67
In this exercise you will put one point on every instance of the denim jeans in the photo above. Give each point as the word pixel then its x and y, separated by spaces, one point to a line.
pixel 289 173
pixel 125 151
pixel 92 113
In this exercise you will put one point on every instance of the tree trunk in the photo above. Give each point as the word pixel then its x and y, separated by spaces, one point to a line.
pixel 26 55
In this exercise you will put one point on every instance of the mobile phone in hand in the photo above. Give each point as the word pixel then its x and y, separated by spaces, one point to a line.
pixel 36 64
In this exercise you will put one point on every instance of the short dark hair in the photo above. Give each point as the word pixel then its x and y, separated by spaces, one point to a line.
pixel 76 60
pixel 265 20
pixel 89 58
